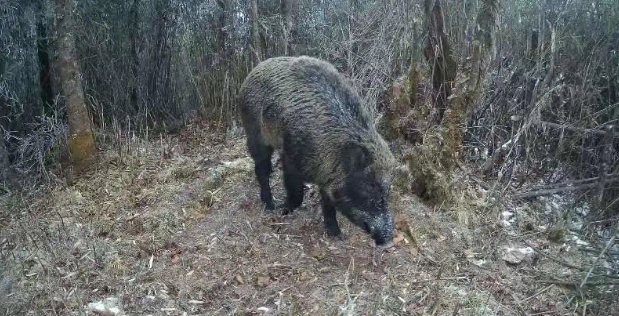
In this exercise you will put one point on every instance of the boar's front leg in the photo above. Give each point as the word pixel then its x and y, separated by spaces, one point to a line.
pixel 293 184
pixel 263 169
pixel 328 211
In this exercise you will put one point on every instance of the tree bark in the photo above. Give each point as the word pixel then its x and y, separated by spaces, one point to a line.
pixel 81 140
pixel 255 32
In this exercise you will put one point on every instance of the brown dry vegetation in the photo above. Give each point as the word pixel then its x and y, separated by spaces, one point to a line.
pixel 174 226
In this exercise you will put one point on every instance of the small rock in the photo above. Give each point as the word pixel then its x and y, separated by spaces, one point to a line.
pixel 107 307
pixel 515 255
pixel 556 233
pixel 579 241
pixel 6 286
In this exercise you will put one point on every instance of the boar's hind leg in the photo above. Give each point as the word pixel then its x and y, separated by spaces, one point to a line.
pixel 293 184
pixel 328 211
pixel 262 167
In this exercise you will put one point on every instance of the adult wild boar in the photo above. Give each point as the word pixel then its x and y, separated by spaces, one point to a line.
pixel 305 109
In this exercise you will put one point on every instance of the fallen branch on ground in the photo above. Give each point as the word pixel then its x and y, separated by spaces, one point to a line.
pixel 566 264
pixel 572 128
pixel 574 284
pixel 566 186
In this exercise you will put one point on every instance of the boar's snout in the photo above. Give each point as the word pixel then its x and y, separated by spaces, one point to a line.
pixel 381 228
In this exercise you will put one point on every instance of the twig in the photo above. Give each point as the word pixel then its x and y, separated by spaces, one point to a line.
pixel 496 155
pixel 612 176
pixel 606 156
pixel 567 186
pixel 567 264
pixel 573 284
pixel 543 192
pixel 572 128
pixel 440 279
pixel 536 294
pixel 610 242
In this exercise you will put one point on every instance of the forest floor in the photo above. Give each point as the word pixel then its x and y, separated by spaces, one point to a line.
pixel 174 226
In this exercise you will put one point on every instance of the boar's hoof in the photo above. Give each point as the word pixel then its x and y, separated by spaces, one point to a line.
pixel 385 246
pixel 284 209
pixel 269 206
pixel 338 237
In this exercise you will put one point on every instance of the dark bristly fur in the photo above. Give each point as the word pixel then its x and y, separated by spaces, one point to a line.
pixel 304 108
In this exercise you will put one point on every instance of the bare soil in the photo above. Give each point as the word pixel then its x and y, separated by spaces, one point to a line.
pixel 175 227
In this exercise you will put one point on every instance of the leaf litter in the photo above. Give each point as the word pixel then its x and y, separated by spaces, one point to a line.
pixel 185 232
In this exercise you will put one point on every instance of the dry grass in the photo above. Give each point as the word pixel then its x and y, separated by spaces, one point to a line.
pixel 176 227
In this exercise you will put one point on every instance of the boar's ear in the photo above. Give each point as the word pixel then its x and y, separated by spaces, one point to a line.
pixel 355 157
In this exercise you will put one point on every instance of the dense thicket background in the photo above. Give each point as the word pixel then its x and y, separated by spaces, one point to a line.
pixel 549 92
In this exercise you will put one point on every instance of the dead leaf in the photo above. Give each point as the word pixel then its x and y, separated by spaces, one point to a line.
pixel 197 214
pixel 239 279
pixel 263 281
pixel 303 276
pixel 469 253
pixel 398 238
pixel 175 256
pixel 401 222
pixel 317 253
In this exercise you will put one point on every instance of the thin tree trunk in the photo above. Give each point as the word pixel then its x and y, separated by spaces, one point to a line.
pixel 47 95
pixel 255 32
pixel 81 140
pixel 5 166
pixel 135 64
pixel 605 164
pixel 222 32
pixel 288 8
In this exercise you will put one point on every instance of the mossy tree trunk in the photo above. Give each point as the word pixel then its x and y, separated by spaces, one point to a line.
pixel 468 83
pixel 81 140
pixel 455 93
pixel 439 54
